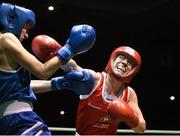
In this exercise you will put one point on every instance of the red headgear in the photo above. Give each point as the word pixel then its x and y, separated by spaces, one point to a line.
pixel 133 54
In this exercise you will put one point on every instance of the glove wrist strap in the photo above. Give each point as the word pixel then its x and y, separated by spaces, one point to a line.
pixel 65 53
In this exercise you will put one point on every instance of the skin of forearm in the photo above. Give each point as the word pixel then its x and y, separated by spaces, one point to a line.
pixel 41 86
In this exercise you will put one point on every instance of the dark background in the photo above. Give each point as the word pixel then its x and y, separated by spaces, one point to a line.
pixel 149 26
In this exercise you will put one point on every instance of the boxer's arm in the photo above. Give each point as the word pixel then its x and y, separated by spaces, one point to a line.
pixel 79 85
pixel 80 82
pixel 71 65
pixel 18 55
pixel 128 112
pixel 133 104
pixel 41 86
pixel 45 47
pixel 81 39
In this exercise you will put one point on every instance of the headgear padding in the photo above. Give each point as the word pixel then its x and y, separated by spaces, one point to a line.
pixel 127 51
pixel 13 18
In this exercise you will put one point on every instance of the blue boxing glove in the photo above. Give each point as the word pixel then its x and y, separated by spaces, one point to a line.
pixel 80 82
pixel 81 39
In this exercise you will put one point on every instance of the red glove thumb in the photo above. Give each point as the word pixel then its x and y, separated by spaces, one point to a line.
pixel 44 47
pixel 119 111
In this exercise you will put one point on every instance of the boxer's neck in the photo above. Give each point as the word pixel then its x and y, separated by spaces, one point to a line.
pixel 113 85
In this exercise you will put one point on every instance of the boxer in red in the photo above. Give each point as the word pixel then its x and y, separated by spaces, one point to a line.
pixel 106 99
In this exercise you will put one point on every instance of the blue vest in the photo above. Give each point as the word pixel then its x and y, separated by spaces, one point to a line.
pixel 15 85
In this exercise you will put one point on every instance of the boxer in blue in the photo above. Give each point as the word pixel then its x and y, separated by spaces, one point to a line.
pixel 17 64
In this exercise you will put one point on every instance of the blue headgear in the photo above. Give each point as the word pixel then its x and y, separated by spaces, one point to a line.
pixel 13 18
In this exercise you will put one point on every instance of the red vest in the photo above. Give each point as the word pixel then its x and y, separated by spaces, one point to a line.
pixel 92 117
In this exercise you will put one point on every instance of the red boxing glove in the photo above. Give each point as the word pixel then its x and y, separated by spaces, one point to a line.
pixel 119 111
pixel 44 47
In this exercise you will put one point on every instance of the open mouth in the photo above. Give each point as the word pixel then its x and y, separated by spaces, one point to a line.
pixel 120 68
